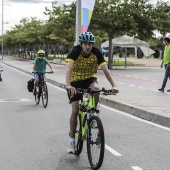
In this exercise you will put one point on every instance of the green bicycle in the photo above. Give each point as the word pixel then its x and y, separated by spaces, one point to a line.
pixel 90 128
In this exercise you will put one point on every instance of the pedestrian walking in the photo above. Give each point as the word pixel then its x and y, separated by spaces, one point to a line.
pixel 166 63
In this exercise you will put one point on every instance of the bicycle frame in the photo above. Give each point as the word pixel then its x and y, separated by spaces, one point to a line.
pixel 90 128
pixel 85 111
pixel 41 82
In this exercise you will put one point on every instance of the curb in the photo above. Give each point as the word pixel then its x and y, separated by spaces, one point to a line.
pixel 165 121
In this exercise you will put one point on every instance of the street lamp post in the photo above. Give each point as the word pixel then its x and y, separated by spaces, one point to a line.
pixel 2 31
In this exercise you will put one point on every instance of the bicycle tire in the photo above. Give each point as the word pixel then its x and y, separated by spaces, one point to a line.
pixel 96 142
pixel 37 95
pixel 45 96
pixel 78 136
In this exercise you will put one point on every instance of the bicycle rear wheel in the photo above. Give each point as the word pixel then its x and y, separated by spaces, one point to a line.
pixel 38 94
pixel 78 136
pixel 45 96
pixel 96 143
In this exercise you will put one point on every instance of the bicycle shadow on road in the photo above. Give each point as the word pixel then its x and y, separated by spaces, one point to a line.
pixel 73 162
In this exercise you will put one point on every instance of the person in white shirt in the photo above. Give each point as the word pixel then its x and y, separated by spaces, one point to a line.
pixel 1 69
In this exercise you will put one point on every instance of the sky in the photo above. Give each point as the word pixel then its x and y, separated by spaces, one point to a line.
pixel 15 10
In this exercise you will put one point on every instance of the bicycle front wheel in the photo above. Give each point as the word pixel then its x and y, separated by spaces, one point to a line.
pixel 45 96
pixel 78 136
pixel 95 143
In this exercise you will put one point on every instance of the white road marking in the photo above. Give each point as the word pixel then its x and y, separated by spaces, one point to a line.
pixel 137 118
pixel 155 90
pixel 15 100
pixel 132 85
pixel 19 71
pixel 59 88
pixel 142 88
pixel 136 168
pixel 112 150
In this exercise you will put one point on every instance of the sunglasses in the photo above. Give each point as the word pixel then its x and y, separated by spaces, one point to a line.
pixel 41 55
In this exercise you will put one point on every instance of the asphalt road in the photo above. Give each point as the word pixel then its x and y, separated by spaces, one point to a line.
pixel 36 138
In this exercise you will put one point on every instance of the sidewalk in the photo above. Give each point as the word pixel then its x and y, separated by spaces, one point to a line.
pixel 138 88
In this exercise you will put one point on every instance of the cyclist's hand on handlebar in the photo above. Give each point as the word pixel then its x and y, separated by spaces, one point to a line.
pixel 115 90
pixel 71 90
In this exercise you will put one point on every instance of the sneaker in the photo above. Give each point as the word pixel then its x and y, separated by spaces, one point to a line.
pixel 71 148
pixel 0 79
pixel 168 90
pixel 161 90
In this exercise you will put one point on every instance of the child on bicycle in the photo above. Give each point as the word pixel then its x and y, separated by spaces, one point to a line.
pixel 82 65
pixel 40 66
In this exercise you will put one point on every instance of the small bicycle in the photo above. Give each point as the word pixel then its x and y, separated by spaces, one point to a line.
pixel 90 128
pixel 41 90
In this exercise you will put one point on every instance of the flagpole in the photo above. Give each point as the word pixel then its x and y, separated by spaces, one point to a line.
pixel 78 21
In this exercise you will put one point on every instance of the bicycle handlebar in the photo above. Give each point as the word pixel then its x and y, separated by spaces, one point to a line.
pixel 90 91
pixel 49 72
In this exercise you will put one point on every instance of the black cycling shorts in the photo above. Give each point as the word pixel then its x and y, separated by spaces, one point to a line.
pixel 84 84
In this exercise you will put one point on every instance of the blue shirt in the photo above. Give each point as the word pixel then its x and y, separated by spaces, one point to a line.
pixel 41 64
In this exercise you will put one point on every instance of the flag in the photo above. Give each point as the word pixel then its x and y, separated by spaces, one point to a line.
pixel 84 12
pixel 87 7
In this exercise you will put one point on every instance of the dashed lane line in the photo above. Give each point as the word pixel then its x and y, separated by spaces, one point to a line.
pixel 136 168
pixel 142 88
pixel 112 150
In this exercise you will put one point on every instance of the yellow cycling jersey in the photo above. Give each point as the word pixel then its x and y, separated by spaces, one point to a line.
pixel 84 67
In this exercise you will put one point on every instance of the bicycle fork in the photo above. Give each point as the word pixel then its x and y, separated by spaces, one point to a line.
pixel 85 118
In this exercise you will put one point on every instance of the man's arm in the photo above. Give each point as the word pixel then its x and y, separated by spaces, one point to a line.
pixel 69 69
pixel 109 78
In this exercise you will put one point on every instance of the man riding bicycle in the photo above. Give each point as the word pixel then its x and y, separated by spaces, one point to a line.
pixel 40 66
pixel 83 62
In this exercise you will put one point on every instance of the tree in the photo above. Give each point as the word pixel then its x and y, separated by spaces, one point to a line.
pixel 162 17
pixel 116 17
pixel 63 17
